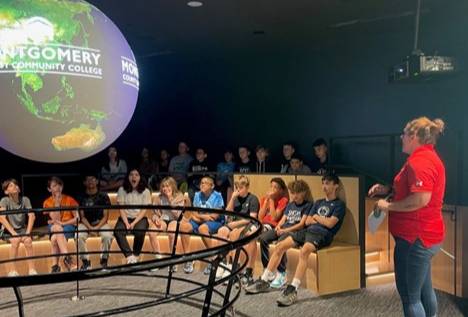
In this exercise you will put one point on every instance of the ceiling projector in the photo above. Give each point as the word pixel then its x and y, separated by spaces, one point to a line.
pixel 420 67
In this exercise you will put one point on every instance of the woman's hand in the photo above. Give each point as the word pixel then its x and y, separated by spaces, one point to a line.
pixel 382 204
pixel 378 190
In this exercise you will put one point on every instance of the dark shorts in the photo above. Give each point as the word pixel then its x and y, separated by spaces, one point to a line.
pixel 244 229
pixel 319 240
pixel 5 235
pixel 167 222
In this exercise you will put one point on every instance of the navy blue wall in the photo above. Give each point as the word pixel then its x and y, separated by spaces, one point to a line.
pixel 297 91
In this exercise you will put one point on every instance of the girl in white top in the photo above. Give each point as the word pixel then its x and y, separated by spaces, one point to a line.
pixel 134 221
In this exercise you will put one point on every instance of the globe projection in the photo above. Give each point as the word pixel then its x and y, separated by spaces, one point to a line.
pixel 68 79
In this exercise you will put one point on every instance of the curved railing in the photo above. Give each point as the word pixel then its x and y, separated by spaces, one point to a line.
pixel 212 255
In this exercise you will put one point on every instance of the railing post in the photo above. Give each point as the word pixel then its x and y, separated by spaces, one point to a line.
pixel 211 281
pixel 173 252
pixel 77 297
pixel 235 263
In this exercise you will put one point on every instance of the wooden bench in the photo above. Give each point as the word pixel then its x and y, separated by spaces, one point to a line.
pixel 333 269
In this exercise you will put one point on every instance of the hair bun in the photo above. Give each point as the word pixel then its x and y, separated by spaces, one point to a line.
pixel 440 124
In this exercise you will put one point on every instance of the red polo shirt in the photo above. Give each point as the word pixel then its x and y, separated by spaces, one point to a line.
pixel 422 172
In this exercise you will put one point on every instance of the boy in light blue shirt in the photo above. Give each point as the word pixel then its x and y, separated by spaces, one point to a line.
pixel 207 223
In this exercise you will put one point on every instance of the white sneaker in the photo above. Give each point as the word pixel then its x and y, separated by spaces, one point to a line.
pixel 188 267
pixel 227 272
pixel 32 272
pixel 132 259
pixel 136 259
pixel 174 269
pixel 279 281
pixel 13 274
pixel 220 270
pixel 157 257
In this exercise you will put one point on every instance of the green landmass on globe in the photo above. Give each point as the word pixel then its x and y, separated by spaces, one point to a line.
pixel 68 29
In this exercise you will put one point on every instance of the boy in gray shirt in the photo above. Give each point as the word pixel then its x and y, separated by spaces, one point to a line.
pixel 179 165
pixel 16 228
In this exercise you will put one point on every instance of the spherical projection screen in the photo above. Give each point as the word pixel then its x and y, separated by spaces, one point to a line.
pixel 68 80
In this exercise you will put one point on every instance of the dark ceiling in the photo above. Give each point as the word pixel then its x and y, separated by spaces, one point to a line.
pixel 219 27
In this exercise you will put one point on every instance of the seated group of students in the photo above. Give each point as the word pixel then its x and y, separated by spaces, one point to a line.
pixel 287 213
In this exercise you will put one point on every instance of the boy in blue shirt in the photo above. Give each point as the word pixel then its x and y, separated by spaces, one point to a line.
pixel 207 224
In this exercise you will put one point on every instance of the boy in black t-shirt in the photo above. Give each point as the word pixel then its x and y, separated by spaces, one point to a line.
pixel 242 202
pixel 288 152
pixel 322 223
pixel 246 165
pixel 198 168
pixel 320 161
pixel 262 164
pixel 94 219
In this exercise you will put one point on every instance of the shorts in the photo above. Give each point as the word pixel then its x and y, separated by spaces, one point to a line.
pixel 68 231
pixel 267 227
pixel 319 240
pixel 213 226
pixel 167 222
pixel 5 234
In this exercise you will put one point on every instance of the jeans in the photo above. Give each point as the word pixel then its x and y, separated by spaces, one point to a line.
pixel 106 241
pixel 413 277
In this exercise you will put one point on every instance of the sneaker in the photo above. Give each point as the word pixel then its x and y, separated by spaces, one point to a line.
pixel 279 281
pixel 132 259
pixel 188 267
pixel 174 269
pixel 260 286
pixel 55 268
pixel 219 271
pixel 207 269
pixel 32 272
pixel 158 257
pixel 103 263
pixel 288 297
pixel 86 265
pixel 247 279
pixel 227 272
pixel 68 262
pixel 13 274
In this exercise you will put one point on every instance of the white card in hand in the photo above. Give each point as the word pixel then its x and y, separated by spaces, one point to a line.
pixel 374 222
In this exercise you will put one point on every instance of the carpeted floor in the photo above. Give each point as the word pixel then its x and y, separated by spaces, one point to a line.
pixel 54 300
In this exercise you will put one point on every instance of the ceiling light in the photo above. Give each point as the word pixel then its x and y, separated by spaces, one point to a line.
pixel 194 4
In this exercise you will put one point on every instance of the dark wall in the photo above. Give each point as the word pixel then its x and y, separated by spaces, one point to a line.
pixel 274 91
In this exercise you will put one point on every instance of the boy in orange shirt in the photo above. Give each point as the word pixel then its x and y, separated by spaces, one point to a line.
pixel 61 224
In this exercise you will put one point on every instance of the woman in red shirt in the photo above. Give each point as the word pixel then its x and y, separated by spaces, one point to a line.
pixel 415 215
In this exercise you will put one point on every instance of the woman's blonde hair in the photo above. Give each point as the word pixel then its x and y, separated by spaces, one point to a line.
pixel 427 130
pixel 172 183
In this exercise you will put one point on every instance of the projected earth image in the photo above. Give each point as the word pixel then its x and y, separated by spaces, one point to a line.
pixel 68 80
